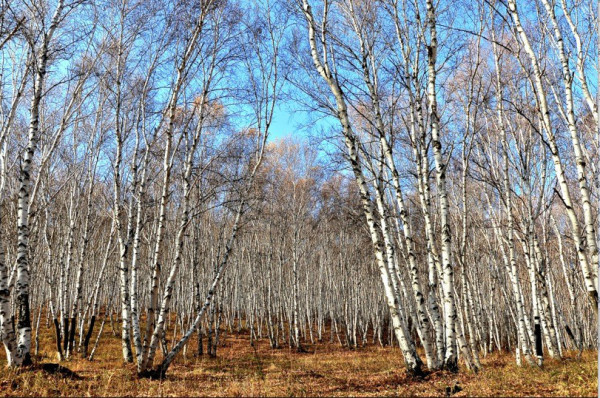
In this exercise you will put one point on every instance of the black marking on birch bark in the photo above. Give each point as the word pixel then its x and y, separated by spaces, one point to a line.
pixel 72 334
pixel 88 336
pixel 538 340
pixel 58 338
pixel 66 333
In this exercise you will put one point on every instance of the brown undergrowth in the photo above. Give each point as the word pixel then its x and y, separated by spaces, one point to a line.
pixel 324 370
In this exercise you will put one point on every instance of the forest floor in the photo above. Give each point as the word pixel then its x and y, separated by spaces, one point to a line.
pixel 325 370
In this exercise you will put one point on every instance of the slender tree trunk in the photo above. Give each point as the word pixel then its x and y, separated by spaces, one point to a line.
pixel 450 359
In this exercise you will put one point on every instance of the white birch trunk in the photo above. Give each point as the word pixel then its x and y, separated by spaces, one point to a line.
pixel 22 355
pixel 580 163
pixel 450 358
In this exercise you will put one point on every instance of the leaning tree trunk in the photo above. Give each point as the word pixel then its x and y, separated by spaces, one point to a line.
pixel 567 75
pixel 411 358
pixel 589 275
pixel 422 319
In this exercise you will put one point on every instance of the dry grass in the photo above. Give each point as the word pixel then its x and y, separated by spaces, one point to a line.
pixel 327 370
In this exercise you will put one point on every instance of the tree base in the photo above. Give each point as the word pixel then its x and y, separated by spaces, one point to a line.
pixel 153 374
pixel 54 368
pixel 451 365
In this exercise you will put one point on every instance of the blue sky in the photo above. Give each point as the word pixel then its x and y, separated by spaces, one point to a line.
pixel 285 123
